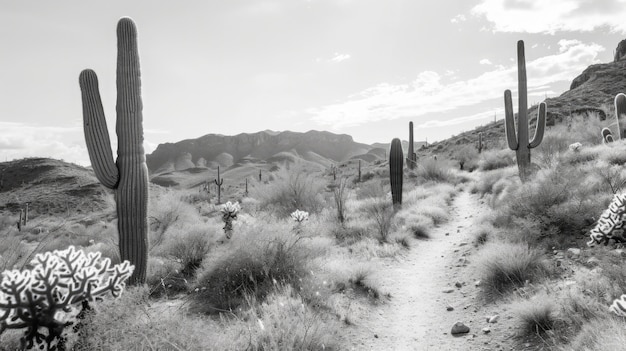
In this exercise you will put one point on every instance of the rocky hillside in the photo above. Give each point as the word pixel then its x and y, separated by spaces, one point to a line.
pixel 49 186
pixel 593 91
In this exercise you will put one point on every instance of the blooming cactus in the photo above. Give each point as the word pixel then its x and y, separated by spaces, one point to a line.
pixel 229 214
pixel 44 295
pixel 300 216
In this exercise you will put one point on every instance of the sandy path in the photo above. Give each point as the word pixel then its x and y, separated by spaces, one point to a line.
pixel 416 316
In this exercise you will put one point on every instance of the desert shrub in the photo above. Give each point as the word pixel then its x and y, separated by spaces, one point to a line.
pixel 381 212
pixel 536 315
pixel 560 199
pixel 340 195
pixel 587 154
pixel 189 246
pixel 419 231
pixel 127 323
pixel 348 235
pixel 614 154
pixel 467 157
pixel 436 171
pixel 253 266
pixel 284 322
pixel 612 178
pixel 290 191
pixel 496 159
pixel 367 176
pixel 504 266
pixel 600 334
pixel 578 308
pixel 165 277
pixel 13 253
pixel 168 210
pixel 363 283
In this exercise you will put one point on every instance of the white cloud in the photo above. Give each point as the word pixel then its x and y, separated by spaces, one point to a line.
pixel 485 116
pixel 458 18
pixel 541 16
pixel 431 92
pixel 485 62
pixel 20 140
pixel 340 57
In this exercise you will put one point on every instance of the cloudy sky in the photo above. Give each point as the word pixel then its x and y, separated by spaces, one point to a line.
pixel 359 67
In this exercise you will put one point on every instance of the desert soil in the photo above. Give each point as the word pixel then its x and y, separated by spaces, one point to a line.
pixel 422 285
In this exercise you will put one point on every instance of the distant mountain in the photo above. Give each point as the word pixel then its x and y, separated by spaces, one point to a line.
pixel 212 150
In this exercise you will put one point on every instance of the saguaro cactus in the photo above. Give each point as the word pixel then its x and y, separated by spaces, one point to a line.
pixel 519 143
pixel 480 142
pixel 359 179
pixel 219 181
pixel 128 176
pixel 411 155
pixel 396 163
pixel 620 114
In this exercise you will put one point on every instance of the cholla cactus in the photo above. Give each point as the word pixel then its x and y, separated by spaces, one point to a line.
pixel 610 226
pixel 41 298
pixel 229 214
pixel 299 217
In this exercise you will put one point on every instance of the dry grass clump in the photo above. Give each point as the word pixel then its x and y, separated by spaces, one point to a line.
pixel 289 191
pixel 190 245
pixel 615 153
pixel 381 213
pixel 496 159
pixel 285 322
pixel 600 334
pixel 563 200
pixel 436 171
pixel 168 212
pixel 504 266
pixel 253 264
pixel 282 322
pixel 536 315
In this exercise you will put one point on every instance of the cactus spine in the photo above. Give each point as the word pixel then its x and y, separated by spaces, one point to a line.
pixel 412 157
pixel 219 181
pixel 396 163
pixel 519 143
pixel 128 176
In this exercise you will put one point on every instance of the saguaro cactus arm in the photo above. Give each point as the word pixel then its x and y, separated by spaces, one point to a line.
pixel 509 120
pixel 541 127
pixel 96 132
pixel 620 113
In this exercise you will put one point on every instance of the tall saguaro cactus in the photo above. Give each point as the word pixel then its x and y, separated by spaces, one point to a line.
pixel 480 142
pixel 128 176
pixel 219 181
pixel 519 143
pixel 411 157
pixel 396 164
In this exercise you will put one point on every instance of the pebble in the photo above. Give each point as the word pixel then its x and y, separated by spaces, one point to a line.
pixel 447 291
pixel 493 319
pixel 486 330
